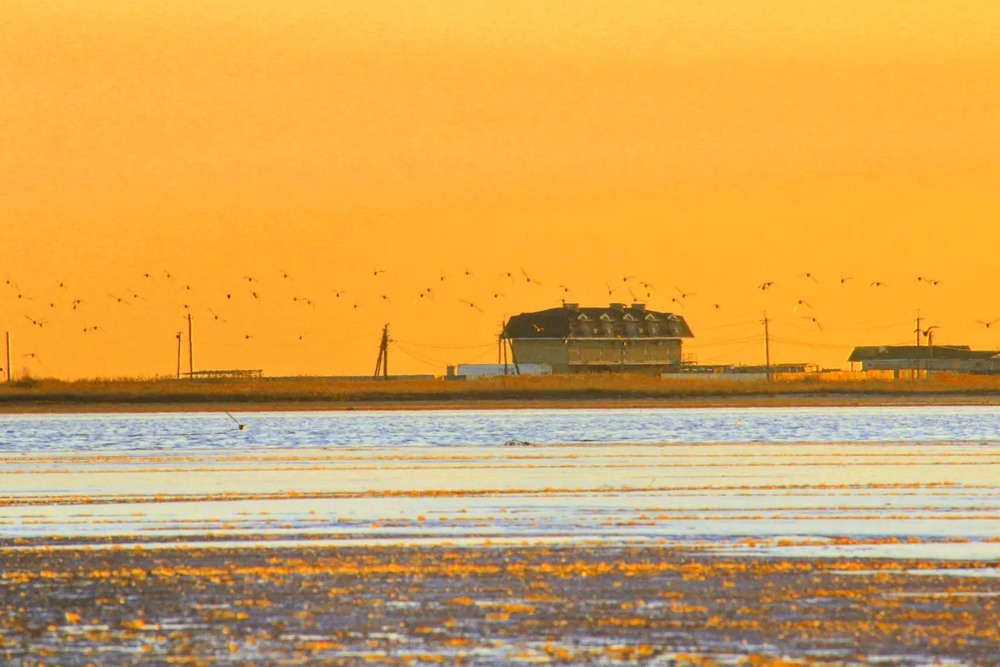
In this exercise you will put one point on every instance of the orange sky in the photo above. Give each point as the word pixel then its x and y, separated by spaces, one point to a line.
pixel 708 147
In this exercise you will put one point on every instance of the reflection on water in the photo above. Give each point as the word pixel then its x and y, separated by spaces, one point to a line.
pixel 911 481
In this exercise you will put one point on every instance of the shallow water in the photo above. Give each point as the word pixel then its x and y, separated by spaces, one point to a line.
pixel 906 482
pixel 217 431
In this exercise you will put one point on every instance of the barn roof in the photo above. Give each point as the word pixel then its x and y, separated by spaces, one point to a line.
pixel 906 352
pixel 555 322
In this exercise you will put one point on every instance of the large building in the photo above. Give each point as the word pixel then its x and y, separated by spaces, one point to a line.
pixel 957 358
pixel 618 338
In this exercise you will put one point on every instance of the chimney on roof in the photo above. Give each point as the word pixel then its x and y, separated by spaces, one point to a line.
pixel 620 307
pixel 639 306
pixel 571 306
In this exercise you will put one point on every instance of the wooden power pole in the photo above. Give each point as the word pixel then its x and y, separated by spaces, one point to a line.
pixel 767 347
pixel 8 356
pixel 382 363
pixel 190 351
pixel 178 355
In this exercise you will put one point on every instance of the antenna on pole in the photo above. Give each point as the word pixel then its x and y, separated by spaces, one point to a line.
pixel 767 347
pixel 382 363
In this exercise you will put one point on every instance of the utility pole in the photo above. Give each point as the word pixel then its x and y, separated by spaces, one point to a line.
pixel 930 349
pixel 767 347
pixel 503 337
pixel 178 355
pixel 917 330
pixel 190 351
pixel 8 356
pixel 382 363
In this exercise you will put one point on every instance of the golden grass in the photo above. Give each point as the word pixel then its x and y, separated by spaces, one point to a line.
pixel 307 390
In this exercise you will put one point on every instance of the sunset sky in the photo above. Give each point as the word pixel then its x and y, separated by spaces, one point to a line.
pixel 704 148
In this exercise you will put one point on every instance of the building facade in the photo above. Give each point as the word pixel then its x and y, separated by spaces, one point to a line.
pixel 618 338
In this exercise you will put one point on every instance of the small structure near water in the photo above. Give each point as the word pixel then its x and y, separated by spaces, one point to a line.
pixel 954 358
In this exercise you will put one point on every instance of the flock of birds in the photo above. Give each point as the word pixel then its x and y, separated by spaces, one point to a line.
pixel 173 300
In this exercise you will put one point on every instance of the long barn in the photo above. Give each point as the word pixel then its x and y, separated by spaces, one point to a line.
pixel 617 338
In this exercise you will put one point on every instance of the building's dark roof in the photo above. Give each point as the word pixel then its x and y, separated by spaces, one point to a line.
pixel 906 352
pixel 564 322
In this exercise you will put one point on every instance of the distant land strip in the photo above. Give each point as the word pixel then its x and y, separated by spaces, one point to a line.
pixel 308 393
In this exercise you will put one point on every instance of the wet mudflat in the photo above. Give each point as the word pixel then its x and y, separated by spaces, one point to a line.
pixel 489 605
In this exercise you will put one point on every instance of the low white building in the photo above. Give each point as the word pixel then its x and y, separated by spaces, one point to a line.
pixel 493 370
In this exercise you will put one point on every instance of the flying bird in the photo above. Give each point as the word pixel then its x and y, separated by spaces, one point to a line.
pixel 807 274
pixel 472 305
pixel 528 278
pixel 990 323
pixel 876 283
pixel 766 285
pixel 844 279
pixel 814 321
